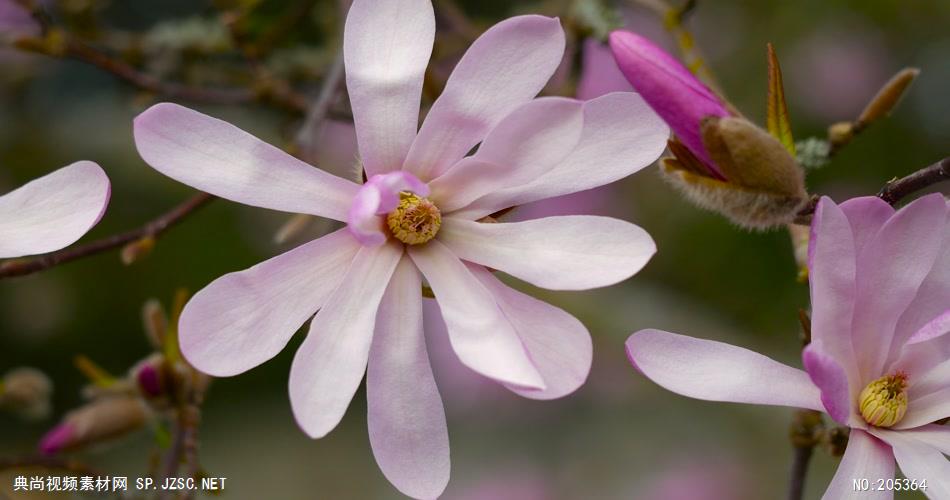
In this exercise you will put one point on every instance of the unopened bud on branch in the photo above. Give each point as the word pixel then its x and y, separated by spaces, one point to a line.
pixel 96 422
pixel 26 392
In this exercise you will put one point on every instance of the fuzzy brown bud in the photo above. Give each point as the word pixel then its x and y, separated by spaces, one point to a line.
pixel 763 187
pixel 26 392
pixel 888 97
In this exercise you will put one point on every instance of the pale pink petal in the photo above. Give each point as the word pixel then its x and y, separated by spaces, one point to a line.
pixel 622 135
pixel 363 221
pixel 599 72
pixel 831 378
pixel 504 68
pixel 926 408
pixel 933 296
pixel 557 342
pixel 929 380
pixel 831 276
pixel 378 196
pixel 572 252
pixel 714 371
pixel 866 215
pixel 865 458
pixel 386 48
pixel 524 145
pixel 935 328
pixel 919 360
pixel 919 460
pixel 889 272
pixel 481 335
pixel 937 436
pixel 405 416
pixel 242 319
pixel 330 363
pixel 53 211
pixel 214 156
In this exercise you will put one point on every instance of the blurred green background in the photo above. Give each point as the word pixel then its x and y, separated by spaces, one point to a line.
pixel 620 436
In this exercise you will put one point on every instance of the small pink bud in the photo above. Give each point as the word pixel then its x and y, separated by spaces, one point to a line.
pixel 149 376
pixel 57 439
pixel 98 421
pixel 671 90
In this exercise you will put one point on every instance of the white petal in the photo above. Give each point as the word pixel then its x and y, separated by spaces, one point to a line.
pixel 918 460
pixel 242 319
pixel 330 363
pixel 480 333
pixel 219 158
pixel 557 342
pixel 54 211
pixel 386 48
pixel 573 252
pixel 504 68
pixel 621 136
pixel 406 419
pixel 714 371
pixel 522 147
pixel 865 458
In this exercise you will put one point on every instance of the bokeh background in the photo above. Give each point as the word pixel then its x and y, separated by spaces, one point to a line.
pixel 620 436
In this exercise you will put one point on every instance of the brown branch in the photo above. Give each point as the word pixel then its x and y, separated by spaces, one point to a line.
pixel 894 191
pixel 805 432
pixel 320 109
pixel 266 89
pixel 152 229
pixel 796 487
pixel 191 386
pixel 89 55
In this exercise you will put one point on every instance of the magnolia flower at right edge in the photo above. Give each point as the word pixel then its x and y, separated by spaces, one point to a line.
pixel 879 359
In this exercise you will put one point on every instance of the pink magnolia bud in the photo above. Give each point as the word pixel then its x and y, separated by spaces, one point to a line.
pixel 670 89
pixel 99 421
pixel 149 376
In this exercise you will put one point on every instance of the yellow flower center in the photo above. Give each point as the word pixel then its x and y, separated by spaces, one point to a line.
pixel 883 403
pixel 416 220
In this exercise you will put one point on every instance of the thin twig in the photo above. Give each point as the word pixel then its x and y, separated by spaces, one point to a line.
pixel 152 229
pixel 320 109
pixel 896 190
pixel 804 433
pixel 267 89
pixel 184 450
pixel 796 487
pixel 87 54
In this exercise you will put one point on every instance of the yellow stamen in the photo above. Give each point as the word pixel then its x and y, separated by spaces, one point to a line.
pixel 416 220
pixel 883 403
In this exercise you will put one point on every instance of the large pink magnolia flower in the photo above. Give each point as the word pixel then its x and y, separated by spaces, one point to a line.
pixel 54 211
pixel 420 214
pixel 879 360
